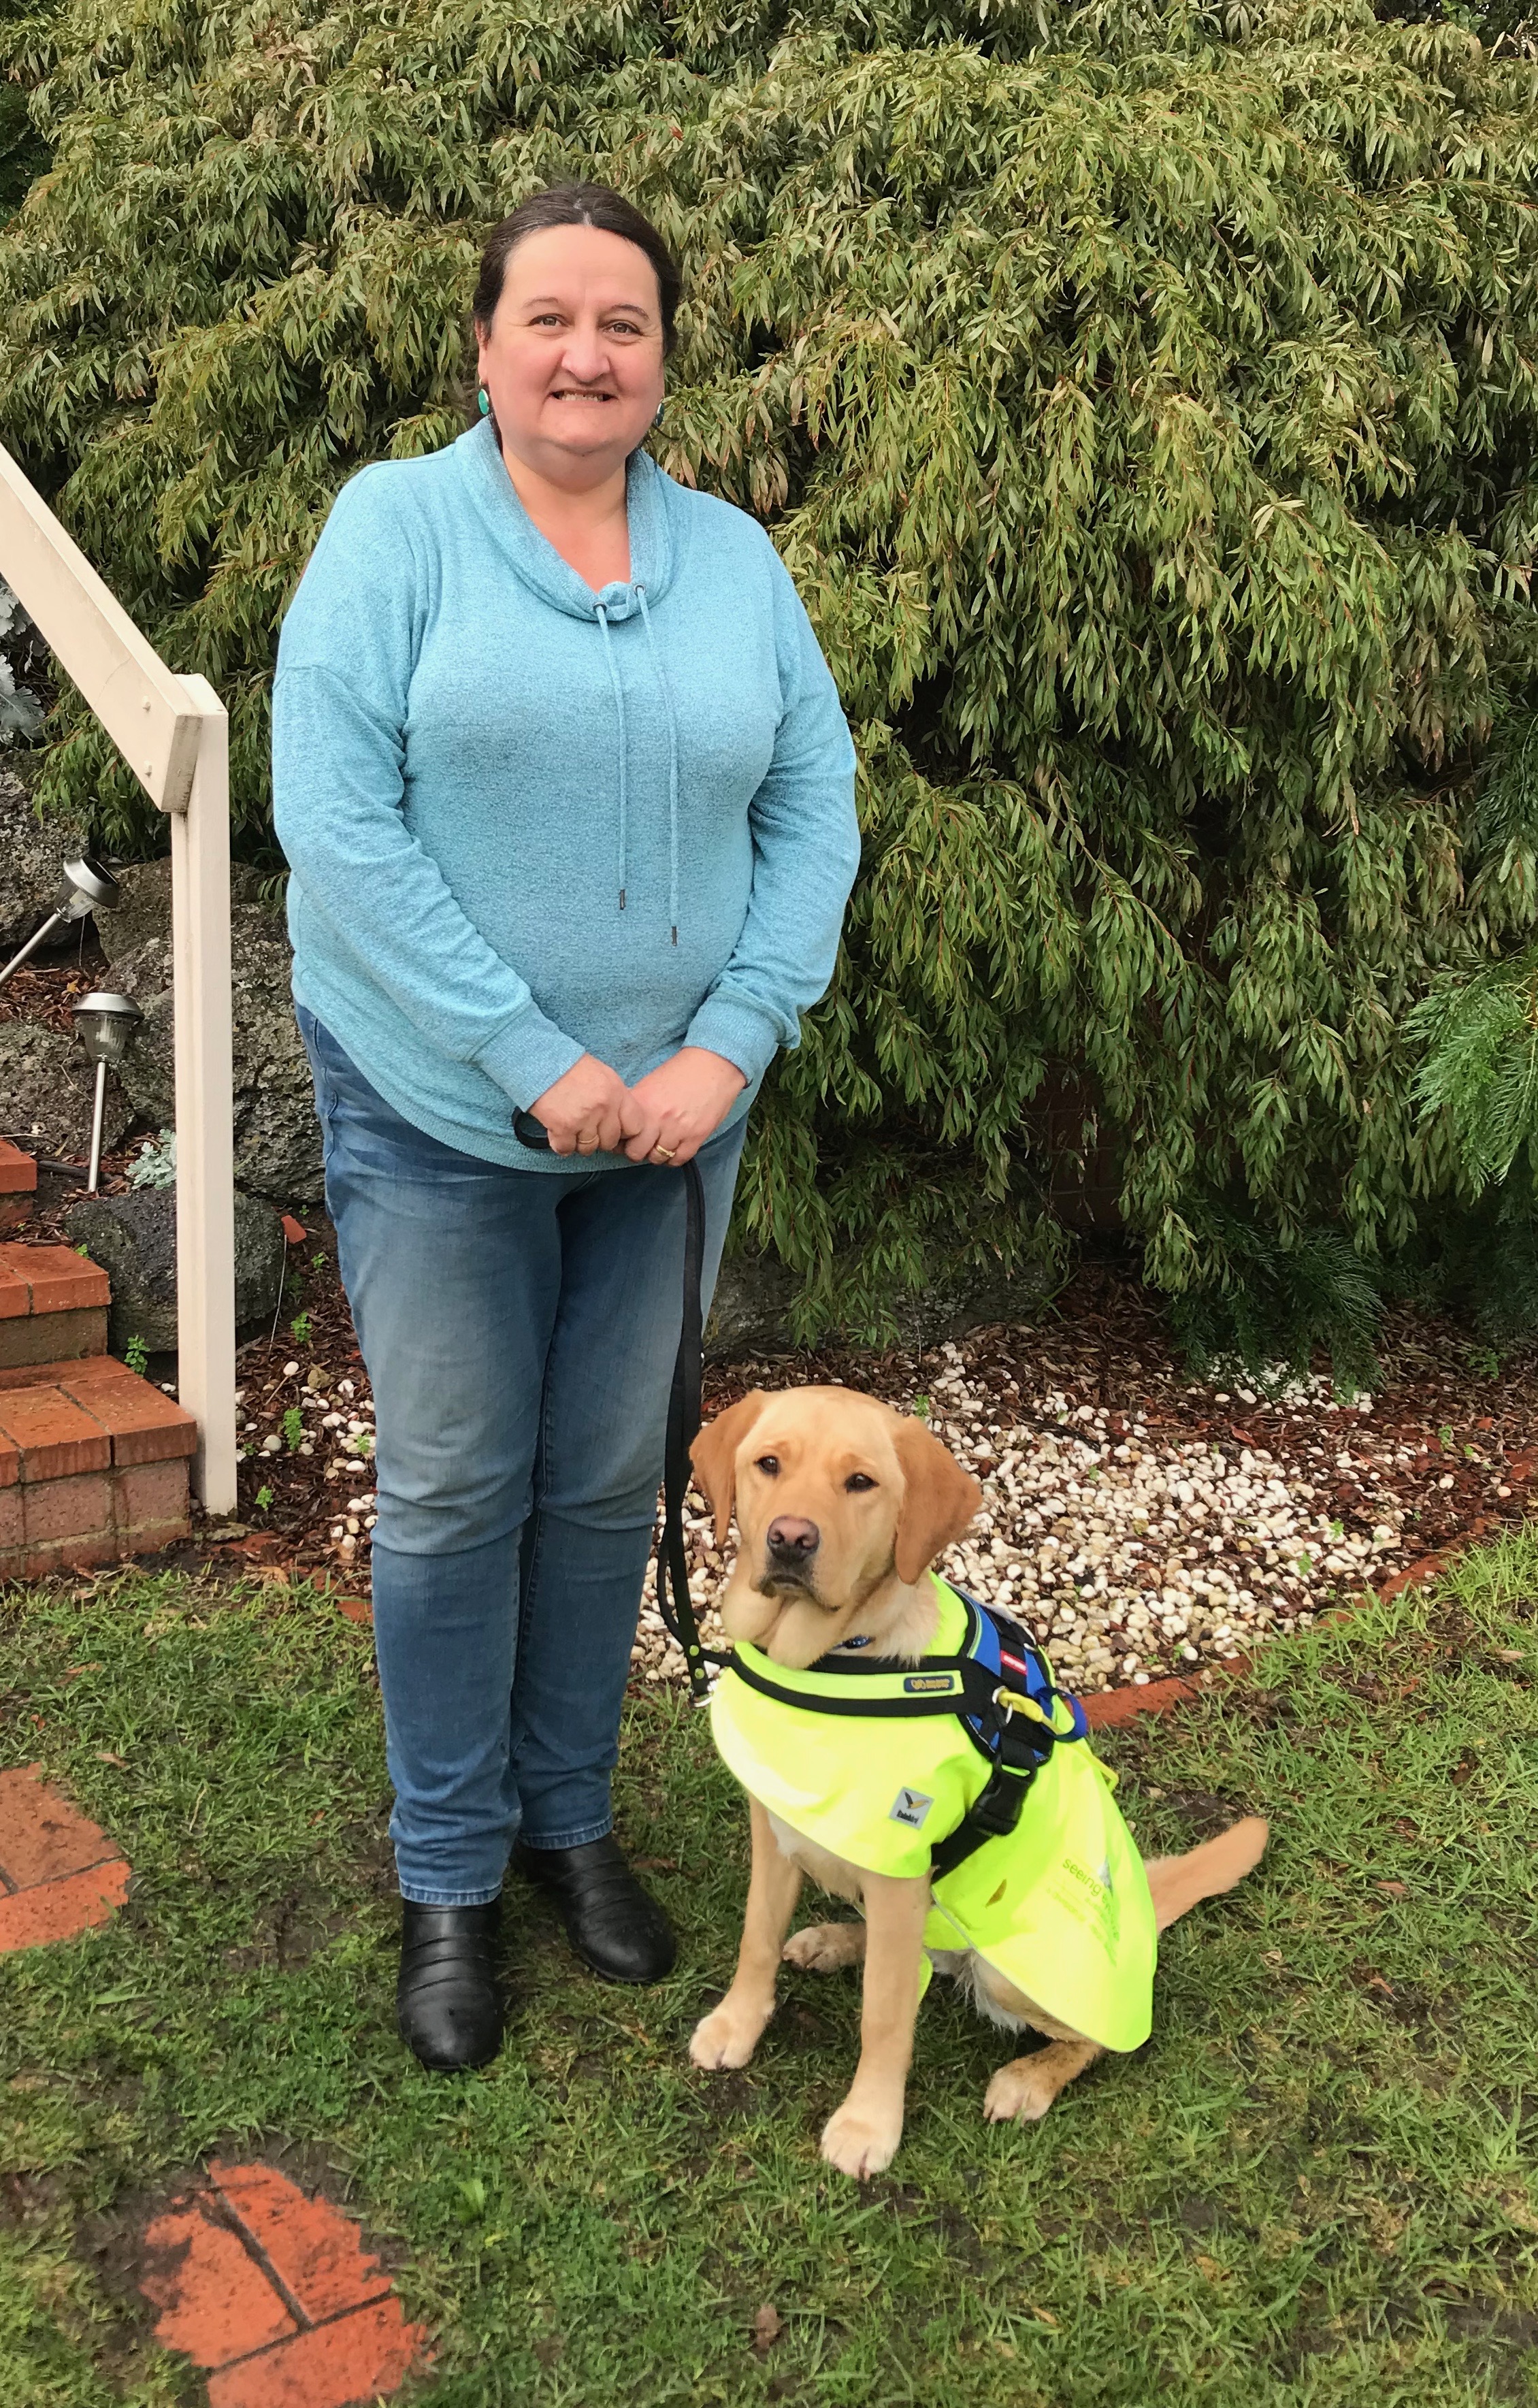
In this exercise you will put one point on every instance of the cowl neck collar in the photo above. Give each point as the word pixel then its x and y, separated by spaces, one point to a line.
pixel 536 560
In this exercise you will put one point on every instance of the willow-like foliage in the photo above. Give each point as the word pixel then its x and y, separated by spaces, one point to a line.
pixel 1145 398
pixel 1481 1067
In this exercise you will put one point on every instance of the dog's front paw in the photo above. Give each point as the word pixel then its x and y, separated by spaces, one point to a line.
pixel 727 2037
pixel 824 1947
pixel 1021 2093
pixel 861 2144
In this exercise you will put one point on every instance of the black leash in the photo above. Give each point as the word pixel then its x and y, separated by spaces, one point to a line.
pixel 683 1417
pixel 684 1406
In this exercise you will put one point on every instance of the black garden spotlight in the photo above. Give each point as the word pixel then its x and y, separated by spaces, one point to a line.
pixel 105 1024
pixel 86 887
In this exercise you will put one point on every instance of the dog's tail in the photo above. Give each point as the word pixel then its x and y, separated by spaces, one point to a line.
pixel 1178 1881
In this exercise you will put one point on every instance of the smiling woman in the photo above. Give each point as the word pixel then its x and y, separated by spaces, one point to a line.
pixel 573 323
pixel 568 800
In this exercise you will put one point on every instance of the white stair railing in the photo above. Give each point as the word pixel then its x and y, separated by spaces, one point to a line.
pixel 174 734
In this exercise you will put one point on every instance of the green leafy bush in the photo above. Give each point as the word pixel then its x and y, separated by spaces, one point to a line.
pixel 1480 1067
pixel 1144 398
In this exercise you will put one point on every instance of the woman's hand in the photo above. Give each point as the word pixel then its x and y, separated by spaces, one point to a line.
pixel 588 1110
pixel 676 1107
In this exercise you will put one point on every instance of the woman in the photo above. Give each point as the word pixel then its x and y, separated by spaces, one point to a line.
pixel 569 802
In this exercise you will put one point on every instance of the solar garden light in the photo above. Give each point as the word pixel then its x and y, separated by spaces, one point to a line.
pixel 86 888
pixel 105 1024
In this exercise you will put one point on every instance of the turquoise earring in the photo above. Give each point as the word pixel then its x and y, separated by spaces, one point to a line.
pixel 483 401
pixel 657 419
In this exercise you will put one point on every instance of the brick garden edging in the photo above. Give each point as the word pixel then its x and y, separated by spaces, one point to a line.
pixel 1113 1709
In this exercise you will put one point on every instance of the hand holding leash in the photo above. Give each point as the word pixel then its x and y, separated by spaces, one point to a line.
pixel 678 1107
pixel 676 1611
pixel 588 1110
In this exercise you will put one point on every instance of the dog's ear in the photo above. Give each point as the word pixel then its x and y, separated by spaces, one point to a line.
pixel 713 1455
pixel 939 1499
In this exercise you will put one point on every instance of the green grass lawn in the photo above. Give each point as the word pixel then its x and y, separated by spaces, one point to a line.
pixel 1314 2184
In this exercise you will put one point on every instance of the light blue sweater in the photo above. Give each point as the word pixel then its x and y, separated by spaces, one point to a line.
pixel 527 821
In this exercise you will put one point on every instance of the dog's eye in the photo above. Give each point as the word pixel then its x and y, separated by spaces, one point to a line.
pixel 770 1463
pixel 858 1480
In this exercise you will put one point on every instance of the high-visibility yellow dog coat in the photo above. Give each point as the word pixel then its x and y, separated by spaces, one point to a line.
pixel 974 1768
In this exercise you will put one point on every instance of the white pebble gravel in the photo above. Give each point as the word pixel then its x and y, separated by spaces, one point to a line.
pixel 1131 1553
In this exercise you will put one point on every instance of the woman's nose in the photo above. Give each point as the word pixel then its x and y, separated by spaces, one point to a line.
pixel 585 355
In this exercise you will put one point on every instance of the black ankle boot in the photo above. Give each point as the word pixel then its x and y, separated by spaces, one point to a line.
pixel 447 2004
pixel 610 1921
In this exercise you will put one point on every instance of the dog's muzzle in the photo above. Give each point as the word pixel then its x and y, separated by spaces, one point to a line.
pixel 790 1556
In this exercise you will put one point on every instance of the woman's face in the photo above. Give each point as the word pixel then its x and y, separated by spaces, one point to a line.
pixel 572 358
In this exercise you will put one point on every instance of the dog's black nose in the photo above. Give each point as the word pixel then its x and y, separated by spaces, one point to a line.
pixel 792 1540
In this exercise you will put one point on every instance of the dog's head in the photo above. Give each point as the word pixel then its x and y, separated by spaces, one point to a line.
pixel 842 1506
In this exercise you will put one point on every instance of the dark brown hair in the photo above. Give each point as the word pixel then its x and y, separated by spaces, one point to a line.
pixel 585 205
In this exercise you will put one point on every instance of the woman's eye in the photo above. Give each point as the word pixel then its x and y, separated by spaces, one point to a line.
pixel 770 1463
pixel 860 1480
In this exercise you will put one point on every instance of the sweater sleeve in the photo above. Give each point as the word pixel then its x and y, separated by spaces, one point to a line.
pixel 806 851
pixel 338 750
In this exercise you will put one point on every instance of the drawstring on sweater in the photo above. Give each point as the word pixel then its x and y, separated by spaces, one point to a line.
pixel 672 761
pixel 619 712
pixel 672 748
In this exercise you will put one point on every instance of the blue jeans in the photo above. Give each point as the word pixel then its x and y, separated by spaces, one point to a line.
pixel 520 1329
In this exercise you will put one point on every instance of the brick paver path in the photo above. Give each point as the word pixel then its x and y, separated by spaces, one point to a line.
pixel 59 1874
pixel 275 2295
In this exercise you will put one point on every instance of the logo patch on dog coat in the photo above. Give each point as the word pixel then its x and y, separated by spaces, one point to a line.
pixel 932 1685
pixel 910 1808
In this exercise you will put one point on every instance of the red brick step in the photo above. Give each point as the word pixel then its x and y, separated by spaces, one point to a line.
pixel 93 1464
pixel 53 1306
pixel 18 1185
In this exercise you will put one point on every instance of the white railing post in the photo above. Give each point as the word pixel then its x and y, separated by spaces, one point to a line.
pixel 205 1142
pixel 173 732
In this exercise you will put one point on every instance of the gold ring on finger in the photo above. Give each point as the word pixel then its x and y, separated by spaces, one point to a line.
pixel 662 1153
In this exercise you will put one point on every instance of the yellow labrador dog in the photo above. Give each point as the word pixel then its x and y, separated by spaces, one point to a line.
pixel 841 1507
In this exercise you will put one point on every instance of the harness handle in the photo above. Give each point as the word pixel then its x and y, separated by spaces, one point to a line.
pixel 683 1413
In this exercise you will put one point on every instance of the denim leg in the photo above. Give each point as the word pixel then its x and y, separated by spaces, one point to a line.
pixel 517 1325
pixel 453 1268
pixel 586 1544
